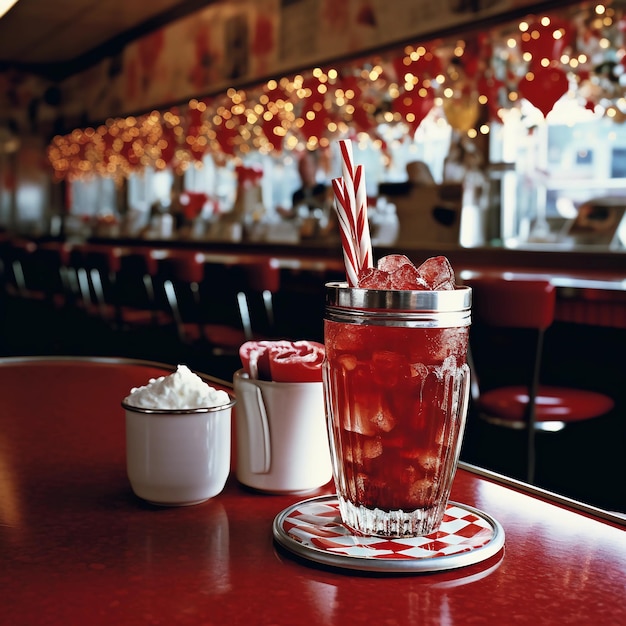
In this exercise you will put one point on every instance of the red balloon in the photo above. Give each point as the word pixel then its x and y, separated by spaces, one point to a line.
pixel 547 86
pixel 362 120
pixel 227 134
pixel 314 128
pixel 168 150
pixel 276 139
pixel 426 66
pixel 195 117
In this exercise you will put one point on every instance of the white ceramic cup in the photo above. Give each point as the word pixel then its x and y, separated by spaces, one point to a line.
pixel 281 433
pixel 178 457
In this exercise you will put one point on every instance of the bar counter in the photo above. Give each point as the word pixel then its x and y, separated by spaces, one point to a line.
pixel 590 282
pixel 77 547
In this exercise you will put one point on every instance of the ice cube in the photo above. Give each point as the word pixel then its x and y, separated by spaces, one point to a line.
pixel 420 492
pixel 408 475
pixel 347 361
pixel 407 277
pixel 350 455
pixel 387 368
pixel 383 421
pixel 360 421
pixel 419 371
pixel 392 262
pixel 429 461
pixel 362 486
pixel 345 338
pixel 373 278
pixel 437 273
pixel 372 447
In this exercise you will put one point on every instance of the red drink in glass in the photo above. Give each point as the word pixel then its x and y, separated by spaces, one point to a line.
pixel 397 384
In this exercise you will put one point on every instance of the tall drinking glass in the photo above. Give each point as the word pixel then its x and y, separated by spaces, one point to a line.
pixel 396 385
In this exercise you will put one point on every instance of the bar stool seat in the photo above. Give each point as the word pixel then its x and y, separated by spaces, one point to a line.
pixel 524 403
pixel 554 406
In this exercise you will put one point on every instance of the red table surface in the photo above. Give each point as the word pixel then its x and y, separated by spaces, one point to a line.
pixel 77 547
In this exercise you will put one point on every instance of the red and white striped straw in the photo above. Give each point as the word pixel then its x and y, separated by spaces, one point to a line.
pixel 347 228
pixel 351 207
pixel 362 225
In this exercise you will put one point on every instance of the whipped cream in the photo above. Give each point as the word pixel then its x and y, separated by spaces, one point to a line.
pixel 181 390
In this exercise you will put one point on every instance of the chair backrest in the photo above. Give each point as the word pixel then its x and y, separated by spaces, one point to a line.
pixel 182 266
pixel 509 320
pixel 262 275
pixel 138 262
pixel 513 303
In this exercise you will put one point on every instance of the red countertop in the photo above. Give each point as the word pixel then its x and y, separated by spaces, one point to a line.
pixel 77 547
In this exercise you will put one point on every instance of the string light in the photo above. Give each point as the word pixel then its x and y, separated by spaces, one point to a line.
pixel 310 108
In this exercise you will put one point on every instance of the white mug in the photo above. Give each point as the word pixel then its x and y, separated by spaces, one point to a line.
pixel 282 438
pixel 178 457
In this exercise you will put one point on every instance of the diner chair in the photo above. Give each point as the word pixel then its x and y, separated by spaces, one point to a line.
pixel 260 281
pixel 48 262
pixel 136 299
pixel 78 277
pixel 202 302
pixel 519 399
pixel 38 271
pixel 33 272
pixel 5 247
pixel 102 264
pixel 19 278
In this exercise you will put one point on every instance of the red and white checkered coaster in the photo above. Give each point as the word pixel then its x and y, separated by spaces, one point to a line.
pixel 313 529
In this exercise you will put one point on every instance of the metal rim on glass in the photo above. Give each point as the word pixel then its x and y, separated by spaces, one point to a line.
pixel 435 309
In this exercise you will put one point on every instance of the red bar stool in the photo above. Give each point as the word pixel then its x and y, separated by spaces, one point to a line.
pixel 261 281
pixel 96 267
pixel 195 296
pixel 136 297
pixel 21 280
pixel 50 262
pixel 527 404
pixel 79 279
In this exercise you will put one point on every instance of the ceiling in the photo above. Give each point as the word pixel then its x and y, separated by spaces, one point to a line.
pixel 57 38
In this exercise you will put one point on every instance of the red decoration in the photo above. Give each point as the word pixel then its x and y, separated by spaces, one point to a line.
pixel 248 177
pixel 545 89
pixel 539 39
pixel 480 75
pixel 350 83
pixel 201 72
pixel 168 147
pixel 366 16
pixel 227 133
pixel 263 40
pixel 315 127
pixel 195 131
pixel 414 107
pixel 150 47
pixel 316 95
pixel 192 203
pixel 314 114
pixel 362 120
pixel 274 138
pixel 490 87
pixel 129 153
pixel 428 65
